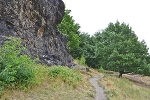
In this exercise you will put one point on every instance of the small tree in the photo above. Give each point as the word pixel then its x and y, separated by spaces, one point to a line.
pixel 69 28
pixel 15 69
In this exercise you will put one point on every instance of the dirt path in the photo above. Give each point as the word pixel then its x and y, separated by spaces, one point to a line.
pixel 99 91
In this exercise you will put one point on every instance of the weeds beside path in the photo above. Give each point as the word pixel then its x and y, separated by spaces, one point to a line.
pixel 99 91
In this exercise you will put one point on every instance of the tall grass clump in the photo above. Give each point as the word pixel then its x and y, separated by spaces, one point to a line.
pixel 15 69
pixel 101 70
pixel 69 76
pixel 82 60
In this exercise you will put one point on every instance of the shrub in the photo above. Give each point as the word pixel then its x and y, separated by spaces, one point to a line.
pixel 67 75
pixel 101 70
pixel 15 69
pixel 146 70
pixel 82 60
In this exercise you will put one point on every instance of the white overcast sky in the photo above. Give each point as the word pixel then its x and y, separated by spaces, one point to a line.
pixel 94 15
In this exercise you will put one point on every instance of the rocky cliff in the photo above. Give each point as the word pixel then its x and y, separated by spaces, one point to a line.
pixel 35 22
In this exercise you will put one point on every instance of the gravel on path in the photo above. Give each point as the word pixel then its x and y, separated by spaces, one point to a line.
pixel 100 95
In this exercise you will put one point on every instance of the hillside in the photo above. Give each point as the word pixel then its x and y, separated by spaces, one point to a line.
pixel 39 41
pixel 55 89
pixel 130 87
pixel 51 88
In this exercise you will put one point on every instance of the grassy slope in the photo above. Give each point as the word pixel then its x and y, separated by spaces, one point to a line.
pixel 53 89
pixel 123 89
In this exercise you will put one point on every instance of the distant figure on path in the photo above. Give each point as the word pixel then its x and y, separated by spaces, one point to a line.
pixel 120 73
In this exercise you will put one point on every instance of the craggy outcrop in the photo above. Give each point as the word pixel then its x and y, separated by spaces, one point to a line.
pixel 35 22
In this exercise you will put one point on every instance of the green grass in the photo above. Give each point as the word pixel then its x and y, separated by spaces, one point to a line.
pixel 16 70
pixel 123 89
pixel 101 70
pixel 81 61
pixel 66 75
pixel 22 79
pixel 54 83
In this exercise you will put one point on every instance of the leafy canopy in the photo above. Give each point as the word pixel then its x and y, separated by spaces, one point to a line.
pixel 120 49
pixel 115 48
pixel 69 28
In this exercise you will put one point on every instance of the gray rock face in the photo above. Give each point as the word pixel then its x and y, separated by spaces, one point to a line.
pixel 35 22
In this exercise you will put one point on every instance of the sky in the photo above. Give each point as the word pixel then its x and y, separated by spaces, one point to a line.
pixel 95 15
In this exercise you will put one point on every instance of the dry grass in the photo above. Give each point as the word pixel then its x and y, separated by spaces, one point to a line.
pixel 139 79
pixel 123 89
pixel 51 92
pixel 54 89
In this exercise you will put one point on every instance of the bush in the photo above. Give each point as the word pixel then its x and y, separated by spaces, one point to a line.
pixel 15 69
pixel 67 75
pixel 101 70
pixel 146 70
pixel 82 60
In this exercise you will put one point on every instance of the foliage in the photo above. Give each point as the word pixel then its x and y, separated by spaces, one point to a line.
pixel 82 60
pixel 87 48
pixel 119 49
pixel 69 28
pixel 15 69
pixel 101 70
pixel 50 88
pixel 115 48
pixel 146 70
pixel 67 75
